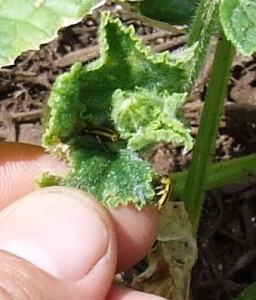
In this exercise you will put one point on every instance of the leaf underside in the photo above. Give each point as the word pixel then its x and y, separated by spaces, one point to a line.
pixel 25 24
pixel 239 23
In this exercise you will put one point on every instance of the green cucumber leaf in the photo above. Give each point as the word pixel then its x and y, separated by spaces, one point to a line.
pixel 111 177
pixel 94 97
pixel 25 24
pixel 83 97
pixel 239 23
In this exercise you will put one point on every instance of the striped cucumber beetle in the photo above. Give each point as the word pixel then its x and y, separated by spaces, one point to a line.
pixel 103 132
pixel 163 191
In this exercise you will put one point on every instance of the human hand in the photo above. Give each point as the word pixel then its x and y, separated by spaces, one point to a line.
pixel 60 243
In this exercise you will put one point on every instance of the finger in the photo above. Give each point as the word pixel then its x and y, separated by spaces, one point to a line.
pixel 121 293
pixel 64 232
pixel 20 166
pixel 136 230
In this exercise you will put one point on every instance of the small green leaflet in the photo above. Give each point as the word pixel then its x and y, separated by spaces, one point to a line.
pixel 145 117
pixel 239 23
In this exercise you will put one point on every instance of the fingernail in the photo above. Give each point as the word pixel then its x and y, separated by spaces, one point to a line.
pixel 58 229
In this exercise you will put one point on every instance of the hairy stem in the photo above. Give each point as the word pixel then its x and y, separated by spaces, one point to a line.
pixel 201 31
pixel 220 174
pixel 203 152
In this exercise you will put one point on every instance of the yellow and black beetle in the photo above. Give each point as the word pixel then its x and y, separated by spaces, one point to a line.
pixel 103 132
pixel 163 191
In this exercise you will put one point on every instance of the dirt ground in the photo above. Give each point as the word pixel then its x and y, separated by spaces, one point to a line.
pixel 227 235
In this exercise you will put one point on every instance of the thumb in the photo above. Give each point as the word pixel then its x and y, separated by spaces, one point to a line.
pixel 56 243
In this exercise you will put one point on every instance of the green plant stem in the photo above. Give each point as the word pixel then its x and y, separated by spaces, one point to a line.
pixel 221 174
pixel 201 31
pixel 203 152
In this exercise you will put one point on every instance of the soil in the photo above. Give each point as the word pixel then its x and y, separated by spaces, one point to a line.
pixel 227 237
